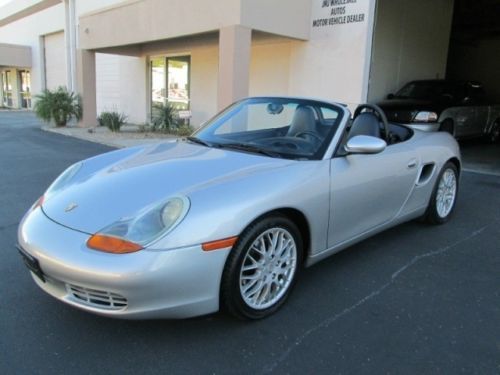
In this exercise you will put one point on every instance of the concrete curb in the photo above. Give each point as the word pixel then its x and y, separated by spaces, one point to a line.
pixel 105 137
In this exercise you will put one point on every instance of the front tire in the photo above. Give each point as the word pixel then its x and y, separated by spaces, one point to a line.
pixel 444 195
pixel 262 268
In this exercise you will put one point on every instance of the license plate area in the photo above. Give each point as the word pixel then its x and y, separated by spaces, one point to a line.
pixel 32 263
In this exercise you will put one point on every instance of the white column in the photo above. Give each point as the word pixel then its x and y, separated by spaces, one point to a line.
pixel 70 39
pixel 234 64
pixel 87 87
pixel 16 94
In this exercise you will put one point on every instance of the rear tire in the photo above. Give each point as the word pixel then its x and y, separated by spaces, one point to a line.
pixel 444 196
pixel 262 268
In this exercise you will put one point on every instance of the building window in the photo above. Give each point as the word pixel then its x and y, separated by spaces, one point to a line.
pixel 170 81
pixel 25 92
pixel 7 88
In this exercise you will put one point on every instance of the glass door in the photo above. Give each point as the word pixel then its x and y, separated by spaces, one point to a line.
pixel 170 82
pixel 25 93
pixel 178 81
pixel 7 88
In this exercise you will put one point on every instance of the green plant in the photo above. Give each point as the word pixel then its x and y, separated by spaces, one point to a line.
pixel 144 128
pixel 164 118
pixel 58 105
pixel 112 120
pixel 184 130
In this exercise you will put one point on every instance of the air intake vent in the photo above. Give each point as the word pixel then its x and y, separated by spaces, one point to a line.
pixel 426 173
pixel 96 298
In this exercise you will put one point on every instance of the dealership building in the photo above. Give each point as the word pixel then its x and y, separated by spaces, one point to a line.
pixel 128 56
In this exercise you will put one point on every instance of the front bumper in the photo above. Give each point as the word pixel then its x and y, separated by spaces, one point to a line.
pixel 425 126
pixel 177 283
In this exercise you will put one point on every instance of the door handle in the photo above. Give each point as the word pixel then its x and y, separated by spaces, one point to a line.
pixel 412 163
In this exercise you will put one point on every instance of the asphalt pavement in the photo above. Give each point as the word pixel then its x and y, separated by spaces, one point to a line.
pixel 416 299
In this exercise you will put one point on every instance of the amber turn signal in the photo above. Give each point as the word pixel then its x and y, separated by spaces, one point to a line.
pixel 110 244
pixel 219 244
pixel 39 202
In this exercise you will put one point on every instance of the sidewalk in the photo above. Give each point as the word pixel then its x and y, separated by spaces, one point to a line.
pixel 129 135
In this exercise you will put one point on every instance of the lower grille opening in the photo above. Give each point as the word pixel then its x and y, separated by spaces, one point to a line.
pixel 97 298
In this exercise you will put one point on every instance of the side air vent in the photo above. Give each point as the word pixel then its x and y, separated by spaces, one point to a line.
pixel 426 173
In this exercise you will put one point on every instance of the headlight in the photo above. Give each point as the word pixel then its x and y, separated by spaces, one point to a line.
pixel 425 116
pixel 133 233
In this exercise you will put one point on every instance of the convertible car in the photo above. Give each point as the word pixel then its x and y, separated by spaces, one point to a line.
pixel 227 217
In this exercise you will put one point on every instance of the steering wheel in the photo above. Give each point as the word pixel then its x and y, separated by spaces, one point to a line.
pixel 286 142
pixel 311 133
pixel 375 109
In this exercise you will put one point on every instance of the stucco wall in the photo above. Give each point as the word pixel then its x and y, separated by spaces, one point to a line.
pixel 121 85
pixel 86 6
pixel 204 70
pixel 26 31
pixel 333 63
pixel 410 42
pixel 269 68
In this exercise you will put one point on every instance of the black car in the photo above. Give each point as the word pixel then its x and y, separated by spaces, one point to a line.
pixel 458 107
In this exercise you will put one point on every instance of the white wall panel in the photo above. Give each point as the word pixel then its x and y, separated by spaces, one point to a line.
pixel 55 60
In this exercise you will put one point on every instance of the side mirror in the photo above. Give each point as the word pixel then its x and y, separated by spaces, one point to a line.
pixel 390 96
pixel 365 144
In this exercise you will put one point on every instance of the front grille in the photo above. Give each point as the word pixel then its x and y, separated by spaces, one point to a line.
pixel 96 298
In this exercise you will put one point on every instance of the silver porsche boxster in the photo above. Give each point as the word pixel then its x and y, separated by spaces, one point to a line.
pixel 228 216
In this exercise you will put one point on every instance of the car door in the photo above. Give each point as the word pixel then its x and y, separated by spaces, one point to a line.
pixel 369 190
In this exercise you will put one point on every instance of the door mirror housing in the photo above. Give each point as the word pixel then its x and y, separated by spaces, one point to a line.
pixel 365 144
pixel 390 96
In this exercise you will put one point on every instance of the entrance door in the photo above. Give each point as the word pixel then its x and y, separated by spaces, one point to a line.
pixel 7 88
pixel 25 92
pixel 170 82
pixel 178 81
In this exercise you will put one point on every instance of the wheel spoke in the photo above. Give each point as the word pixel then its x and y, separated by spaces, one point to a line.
pixel 248 286
pixel 446 193
pixel 250 267
pixel 268 267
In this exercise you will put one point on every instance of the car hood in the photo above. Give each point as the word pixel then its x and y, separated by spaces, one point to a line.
pixel 118 184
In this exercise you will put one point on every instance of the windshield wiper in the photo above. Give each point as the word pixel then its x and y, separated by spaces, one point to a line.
pixel 249 148
pixel 198 141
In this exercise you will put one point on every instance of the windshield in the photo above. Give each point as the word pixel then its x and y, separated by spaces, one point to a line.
pixel 276 127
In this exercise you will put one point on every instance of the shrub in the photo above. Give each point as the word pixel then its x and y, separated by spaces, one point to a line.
pixel 112 120
pixel 58 105
pixel 164 118
pixel 184 130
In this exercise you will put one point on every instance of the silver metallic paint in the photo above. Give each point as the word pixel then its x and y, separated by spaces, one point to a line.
pixel 344 199
pixel 364 144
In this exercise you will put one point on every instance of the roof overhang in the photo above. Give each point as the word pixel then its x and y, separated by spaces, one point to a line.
pixel 15 55
pixel 15 10
pixel 136 22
